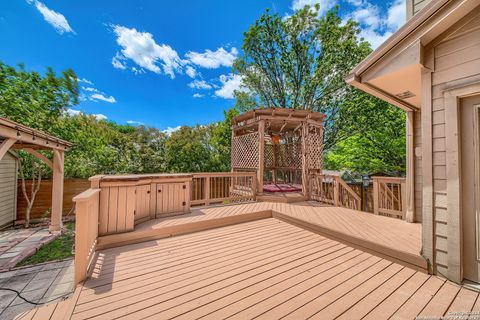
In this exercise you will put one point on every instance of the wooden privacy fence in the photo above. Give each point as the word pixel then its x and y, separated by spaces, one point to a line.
pixel 222 187
pixel 331 189
pixel 86 231
pixel 43 201
pixel 389 196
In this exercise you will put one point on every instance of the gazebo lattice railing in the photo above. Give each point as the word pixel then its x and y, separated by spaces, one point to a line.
pixel 283 146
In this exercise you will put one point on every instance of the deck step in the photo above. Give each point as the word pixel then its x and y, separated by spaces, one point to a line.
pixel 416 262
pixel 281 197
pixel 142 233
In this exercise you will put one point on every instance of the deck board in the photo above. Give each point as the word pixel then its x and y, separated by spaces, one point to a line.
pixel 265 269
pixel 391 237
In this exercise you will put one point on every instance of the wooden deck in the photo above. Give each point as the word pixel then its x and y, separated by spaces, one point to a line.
pixel 266 269
pixel 384 236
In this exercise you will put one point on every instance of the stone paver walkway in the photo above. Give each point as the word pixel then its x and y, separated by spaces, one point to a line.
pixel 17 244
pixel 39 283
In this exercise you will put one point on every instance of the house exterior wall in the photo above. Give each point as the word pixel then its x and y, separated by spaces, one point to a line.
pixel 413 6
pixel 8 189
pixel 456 63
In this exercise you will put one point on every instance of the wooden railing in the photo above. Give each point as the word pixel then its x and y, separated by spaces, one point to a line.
pixel 86 231
pixel 331 189
pixel 222 187
pixel 389 196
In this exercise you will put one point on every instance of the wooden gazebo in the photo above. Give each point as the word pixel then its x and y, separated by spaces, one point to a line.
pixel 19 137
pixel 283 146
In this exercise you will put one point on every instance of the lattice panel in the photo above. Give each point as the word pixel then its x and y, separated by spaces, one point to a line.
pixel 290 155
pixel 245 151
pixel 269 159
pixel 315 148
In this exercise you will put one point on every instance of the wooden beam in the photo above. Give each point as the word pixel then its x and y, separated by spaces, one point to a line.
pixel 57 191
pixel 5 146
pixel 33 138
pixel 40 156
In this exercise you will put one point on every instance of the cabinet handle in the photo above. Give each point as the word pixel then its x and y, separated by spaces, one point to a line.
pixel 159 190
pixel 148 191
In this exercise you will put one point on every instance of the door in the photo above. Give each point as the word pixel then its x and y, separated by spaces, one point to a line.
pixel 142 210
pixel 171 198
pixel 470 186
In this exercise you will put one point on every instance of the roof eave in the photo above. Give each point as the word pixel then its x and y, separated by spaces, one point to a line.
pixel 355 81
pixel 417 20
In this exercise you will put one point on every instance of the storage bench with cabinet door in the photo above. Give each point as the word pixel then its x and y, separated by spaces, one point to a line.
pixel 172 198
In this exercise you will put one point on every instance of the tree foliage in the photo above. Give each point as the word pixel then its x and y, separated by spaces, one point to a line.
pixel 100 146
pixel 300 62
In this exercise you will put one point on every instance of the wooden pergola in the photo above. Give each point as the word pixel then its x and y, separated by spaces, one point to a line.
pixel 19 137
pixel 283 146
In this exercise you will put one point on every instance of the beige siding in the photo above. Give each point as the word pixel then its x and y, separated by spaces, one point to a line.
pixel 418 166
pixel 413 6
pixel 457 58
pixel 419 5
pixel 8 176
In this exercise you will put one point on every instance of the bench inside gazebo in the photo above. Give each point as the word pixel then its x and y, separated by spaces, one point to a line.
pixel 15 136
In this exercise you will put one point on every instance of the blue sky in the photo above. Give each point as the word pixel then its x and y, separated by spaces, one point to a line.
pixel 160 63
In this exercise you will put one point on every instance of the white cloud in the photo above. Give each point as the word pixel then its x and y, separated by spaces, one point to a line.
pixel 355 2
pixel 377 24
pixel 85 81
pixel 100 96
pixel 396 15
pixel 141 48
pixel 199 84
pixel 230 84
pixel 118 61
pixel 375 38
pixel 213 59
pixel 138 71
pixel 198 95
pixel 55 19
pixel 134 123
pixel 72 112
pixel 100 116
pixel 89 89
pixel 171 130
pixel 325 5
pixel 367 15
pixel 191 72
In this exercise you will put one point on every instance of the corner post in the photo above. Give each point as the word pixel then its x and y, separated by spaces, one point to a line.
pixel 261 154
pixel 57 191
pixel 305 159
pixel 375 195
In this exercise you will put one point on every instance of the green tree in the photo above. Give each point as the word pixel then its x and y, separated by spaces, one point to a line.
pixel 187 150
pixel 220 141
pixel 35 100
pixel 300 62
pixel 378 146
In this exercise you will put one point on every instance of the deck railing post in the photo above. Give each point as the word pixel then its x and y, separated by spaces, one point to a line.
pixel 336 192
pixel 404 202
pixel 375 195
pixel 207 191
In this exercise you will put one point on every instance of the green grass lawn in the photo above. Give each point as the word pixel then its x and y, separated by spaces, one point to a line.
pixel 58 249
